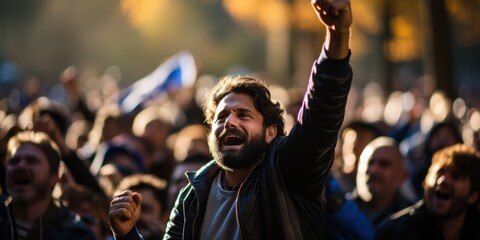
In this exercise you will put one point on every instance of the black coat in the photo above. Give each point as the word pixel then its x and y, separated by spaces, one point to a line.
pixel 414 223
pixel 283 197
pixel 56 223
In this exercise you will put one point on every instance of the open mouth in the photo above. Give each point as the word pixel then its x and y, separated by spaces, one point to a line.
pixel 22 181
pixel 232 138
pixel 232 141
pixel 442 196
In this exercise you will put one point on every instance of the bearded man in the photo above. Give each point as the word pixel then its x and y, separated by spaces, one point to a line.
pixel 448 209
pixel 262 184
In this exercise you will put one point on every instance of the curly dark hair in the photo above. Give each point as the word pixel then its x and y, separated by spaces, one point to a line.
pixel 462 156
pixel 271 110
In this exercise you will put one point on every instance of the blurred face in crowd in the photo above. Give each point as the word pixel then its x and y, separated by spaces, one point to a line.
pixel 89 215
pixel 443 137
pixel 354 141
pixel 178 180
pixel 124 162
pixel 156 132
pixel 28 176
pixel 448 191
pixel 111 128
pixel 238 138
pixel 381 174
pixel 149 223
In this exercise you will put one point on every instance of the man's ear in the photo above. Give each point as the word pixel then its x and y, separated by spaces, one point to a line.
pixel 473 198
pixel 271 133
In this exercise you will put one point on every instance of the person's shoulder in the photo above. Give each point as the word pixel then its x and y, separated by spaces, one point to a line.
pixel 416 210
pixel 206 172
pixel 65 222
pixel 472 221
pixel 400 224
pixel 4 201
pixel 72 227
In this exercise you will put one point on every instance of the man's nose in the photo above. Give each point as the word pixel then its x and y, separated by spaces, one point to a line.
pixel 21 163
pixel 231 121
pixel 372 168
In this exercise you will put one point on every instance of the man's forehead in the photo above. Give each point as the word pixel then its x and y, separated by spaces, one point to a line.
pixel 236 97
pixel 443 167
pixel 386 152
pixel 27 148
pixel 29 152
pixel 236 101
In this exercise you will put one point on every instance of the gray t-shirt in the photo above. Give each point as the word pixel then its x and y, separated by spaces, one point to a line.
pixel 220 221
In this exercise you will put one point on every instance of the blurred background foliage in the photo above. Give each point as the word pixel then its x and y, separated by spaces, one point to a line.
pixel 397 44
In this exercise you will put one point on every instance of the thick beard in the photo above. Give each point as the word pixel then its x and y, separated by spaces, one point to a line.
pixel 458 206
pixel 248 155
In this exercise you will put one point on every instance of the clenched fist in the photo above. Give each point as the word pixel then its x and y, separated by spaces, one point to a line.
pixel 124 212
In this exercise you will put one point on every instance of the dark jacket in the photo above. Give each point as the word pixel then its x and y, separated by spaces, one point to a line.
pixel 56 223
pixel 344 219
pixel 398 203
pixel 283 197
pixel 414 223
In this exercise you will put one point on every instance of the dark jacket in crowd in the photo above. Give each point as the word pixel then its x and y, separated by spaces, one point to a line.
pixel 56 223
pixel 283 197
pixel 398 203
pixel 344 219
pixel 414 223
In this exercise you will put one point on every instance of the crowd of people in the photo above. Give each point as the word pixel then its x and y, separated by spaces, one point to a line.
pixel 84 169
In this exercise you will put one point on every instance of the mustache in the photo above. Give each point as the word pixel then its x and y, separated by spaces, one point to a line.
pixel 19 171
pixel 231 131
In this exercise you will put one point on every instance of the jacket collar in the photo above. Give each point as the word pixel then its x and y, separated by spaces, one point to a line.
pixel 206 173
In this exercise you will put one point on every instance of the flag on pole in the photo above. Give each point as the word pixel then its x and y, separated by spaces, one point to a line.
pixel 176 72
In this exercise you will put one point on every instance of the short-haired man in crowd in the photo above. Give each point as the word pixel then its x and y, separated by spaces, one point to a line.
pixel 381 172
pixel 29 212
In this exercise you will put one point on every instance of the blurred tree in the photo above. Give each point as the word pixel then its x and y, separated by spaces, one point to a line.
pixel 380 31
pixel 465 19
pixel 44 37
pixel 273 17
pixel 438 60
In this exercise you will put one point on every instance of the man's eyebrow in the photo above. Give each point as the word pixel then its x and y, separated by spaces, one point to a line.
pixel 244 109
pixel 236 109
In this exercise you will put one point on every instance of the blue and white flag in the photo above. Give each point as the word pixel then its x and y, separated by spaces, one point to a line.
pixel 176 72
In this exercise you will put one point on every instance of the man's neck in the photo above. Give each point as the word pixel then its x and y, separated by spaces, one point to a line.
pixel 30 212
pixel 452 227
pixel 380 202
pixel 235 177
